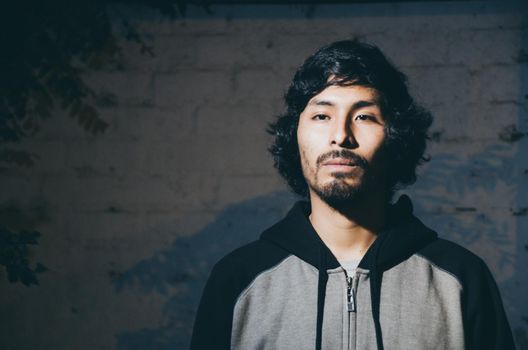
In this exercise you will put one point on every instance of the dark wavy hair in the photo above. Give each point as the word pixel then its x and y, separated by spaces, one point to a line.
pixel 352 62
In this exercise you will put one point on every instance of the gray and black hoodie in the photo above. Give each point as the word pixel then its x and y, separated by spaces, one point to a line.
pixel 411 290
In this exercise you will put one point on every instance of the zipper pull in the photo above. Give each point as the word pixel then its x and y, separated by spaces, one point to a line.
pixel 351 298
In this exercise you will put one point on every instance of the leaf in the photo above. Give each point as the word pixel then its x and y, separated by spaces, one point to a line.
pixel 28 237
pixel 12 275
pixel 40 268
pixel 19 158
pixel 27 277
pixel 14 255
pixel 89 119
pixel 75 107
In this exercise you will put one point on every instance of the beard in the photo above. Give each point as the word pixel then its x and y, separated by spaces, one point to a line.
pixel 338 193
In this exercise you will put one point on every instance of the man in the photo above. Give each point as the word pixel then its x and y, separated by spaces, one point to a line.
pixel 347 269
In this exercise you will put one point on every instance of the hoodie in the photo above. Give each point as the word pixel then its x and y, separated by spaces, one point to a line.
pixel 411 290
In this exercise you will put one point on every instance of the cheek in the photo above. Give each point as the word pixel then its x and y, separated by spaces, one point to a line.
pixel 304 153
pixel 301 142
pixel 306 148
pixel 372 141
pixel 379 152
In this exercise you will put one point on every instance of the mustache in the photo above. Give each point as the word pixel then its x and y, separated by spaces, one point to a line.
pixel 344 154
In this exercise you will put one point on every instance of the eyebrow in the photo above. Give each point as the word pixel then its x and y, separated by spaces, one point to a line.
pixel 356 105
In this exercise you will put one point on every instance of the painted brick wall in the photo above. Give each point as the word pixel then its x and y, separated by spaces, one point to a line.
pixel 133 219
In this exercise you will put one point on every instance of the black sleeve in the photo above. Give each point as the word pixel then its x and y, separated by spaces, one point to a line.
pixel 487 326
pixel 229 277
pixel 213 322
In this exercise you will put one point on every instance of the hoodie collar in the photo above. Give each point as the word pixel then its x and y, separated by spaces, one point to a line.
pixel 296 235
pixel 403 235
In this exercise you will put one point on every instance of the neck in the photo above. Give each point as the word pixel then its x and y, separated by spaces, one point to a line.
pixel 348 232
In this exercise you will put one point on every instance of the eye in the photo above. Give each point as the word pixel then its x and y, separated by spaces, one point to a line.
pixel 363 117
pixel 320 117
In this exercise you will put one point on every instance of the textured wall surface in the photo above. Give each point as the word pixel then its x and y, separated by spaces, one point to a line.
pixel 133 219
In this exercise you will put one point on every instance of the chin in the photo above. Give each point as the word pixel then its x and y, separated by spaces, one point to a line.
pixel 339 193
pixel 342 183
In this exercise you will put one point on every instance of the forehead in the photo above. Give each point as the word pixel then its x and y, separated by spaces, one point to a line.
pixel 338 95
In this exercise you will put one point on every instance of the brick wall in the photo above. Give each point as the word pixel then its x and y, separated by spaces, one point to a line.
pixel 133 219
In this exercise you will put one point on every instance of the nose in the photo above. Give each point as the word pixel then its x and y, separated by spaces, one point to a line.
pixel 343 134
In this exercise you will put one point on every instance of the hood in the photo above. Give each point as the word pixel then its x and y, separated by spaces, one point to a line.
pixel 402 236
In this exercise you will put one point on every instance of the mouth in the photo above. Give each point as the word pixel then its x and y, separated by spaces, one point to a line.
pixel 340 164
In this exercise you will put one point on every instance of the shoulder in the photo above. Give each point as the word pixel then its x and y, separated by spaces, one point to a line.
pixel 259 253
pixel 228 278
pixel 460 262
pixel 448 253
pixel 244 264
pixel 485 323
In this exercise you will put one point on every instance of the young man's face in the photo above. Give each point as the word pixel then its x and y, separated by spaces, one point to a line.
pixel 340 135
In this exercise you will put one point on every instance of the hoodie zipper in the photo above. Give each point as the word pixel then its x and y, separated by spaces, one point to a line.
pixel 351 293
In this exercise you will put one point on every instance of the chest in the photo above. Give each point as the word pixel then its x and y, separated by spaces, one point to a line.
pixel 418 306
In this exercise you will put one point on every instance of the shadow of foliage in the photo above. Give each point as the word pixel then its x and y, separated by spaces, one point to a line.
pixel 46 48
pixel 14 256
